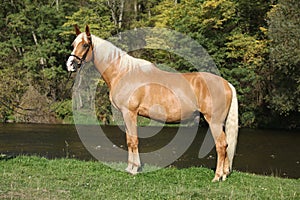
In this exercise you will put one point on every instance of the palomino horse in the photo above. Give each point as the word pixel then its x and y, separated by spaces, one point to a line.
pixel 137 87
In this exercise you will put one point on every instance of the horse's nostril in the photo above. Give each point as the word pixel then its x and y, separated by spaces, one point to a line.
pixel 73 68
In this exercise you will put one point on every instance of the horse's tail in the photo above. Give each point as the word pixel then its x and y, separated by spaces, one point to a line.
pixel 231 126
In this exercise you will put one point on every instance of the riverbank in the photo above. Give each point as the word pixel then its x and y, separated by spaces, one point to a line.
pixel 265 152
pixel 26 177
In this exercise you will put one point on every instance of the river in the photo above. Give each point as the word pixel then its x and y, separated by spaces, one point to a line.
pixel 267 152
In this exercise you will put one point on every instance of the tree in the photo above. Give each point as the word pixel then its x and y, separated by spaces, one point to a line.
pixel 239 48
pixel 247 57
pixel 34 49
pixel 96 14
pixel 284 33
pixel 252 15
pixel 259 54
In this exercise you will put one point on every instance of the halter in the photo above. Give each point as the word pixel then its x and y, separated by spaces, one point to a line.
pixel 82 60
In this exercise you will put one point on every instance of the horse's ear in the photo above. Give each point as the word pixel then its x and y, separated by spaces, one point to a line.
pixel 88 34
pixel 77 29
pixel 87 31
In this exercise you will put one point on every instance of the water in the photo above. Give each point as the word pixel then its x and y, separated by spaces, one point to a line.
pixel 268 152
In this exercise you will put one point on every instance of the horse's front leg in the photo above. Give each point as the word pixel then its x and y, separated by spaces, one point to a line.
pixel 134 163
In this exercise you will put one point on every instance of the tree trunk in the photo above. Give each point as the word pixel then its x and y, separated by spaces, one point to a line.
pixel 42 60
pixel 121 13
pixel 112 7
pixel 135 8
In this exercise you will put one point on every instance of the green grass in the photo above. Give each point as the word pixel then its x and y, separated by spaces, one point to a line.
pixel 39 178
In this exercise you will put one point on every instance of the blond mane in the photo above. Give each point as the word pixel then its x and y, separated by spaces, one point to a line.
pixel 106 52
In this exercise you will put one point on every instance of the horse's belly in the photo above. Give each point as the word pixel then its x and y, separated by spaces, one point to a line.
pixel 160 113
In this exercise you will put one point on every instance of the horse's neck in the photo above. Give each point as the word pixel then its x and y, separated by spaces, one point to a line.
pixel 107 60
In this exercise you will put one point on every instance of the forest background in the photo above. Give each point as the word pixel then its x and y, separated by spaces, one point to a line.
pixel 254 43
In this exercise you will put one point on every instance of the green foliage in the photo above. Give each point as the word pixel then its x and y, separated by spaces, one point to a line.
pixel 246 57
pixel 32 46
pixel 259 57
pixel 63 111
pixel 103 105
pixel 284 33
pixel 240 56
pixel 34 108
pixel 252 15
pixel 95 14
pixel 208 22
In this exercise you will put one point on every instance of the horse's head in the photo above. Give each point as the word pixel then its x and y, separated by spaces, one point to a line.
pixel 82 51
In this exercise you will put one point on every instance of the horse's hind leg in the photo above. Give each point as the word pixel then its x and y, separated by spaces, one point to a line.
pixel 226 167
pixel 221 145
pixel 134 162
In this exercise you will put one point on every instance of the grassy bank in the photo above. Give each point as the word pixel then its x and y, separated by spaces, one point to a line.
pixel 38 178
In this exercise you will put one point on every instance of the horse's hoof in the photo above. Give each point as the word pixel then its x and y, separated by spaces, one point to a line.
pixel 128 170
pixel 216 179
pixel 131 171
pixel 134 173
pixel 220 178
pixel 224 177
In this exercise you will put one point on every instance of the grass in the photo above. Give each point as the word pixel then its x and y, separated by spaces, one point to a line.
pixel 32 177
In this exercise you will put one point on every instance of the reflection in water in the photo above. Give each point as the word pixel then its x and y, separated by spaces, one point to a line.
pixel 268 152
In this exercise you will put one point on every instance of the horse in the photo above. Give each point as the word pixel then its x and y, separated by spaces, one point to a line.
pixel 138 88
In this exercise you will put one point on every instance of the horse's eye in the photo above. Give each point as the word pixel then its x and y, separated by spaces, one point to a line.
pixel 85 45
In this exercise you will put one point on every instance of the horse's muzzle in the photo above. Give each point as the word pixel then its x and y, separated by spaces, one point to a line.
pixel 72 65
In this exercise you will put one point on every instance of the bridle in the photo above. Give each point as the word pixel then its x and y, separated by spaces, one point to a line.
pixel 82 59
